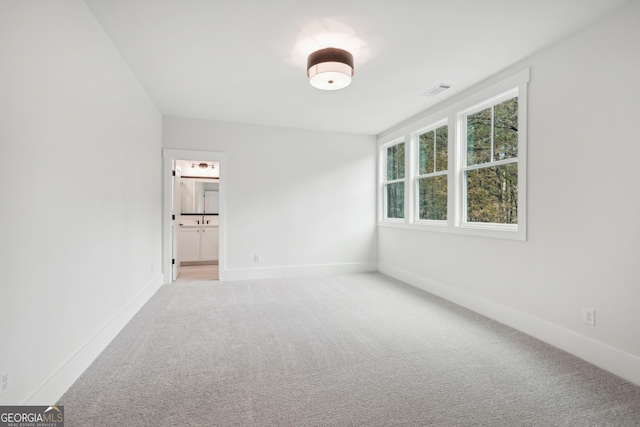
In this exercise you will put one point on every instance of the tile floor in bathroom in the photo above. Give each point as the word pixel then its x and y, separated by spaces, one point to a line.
pixel 196 273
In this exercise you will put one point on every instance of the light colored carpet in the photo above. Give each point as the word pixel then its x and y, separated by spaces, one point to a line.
pixel 354 350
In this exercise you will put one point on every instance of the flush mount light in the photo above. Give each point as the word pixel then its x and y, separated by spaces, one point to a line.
pixel 330 68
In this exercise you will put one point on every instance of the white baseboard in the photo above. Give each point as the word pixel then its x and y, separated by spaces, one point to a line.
pixel 298 271
pixel 60 381
pixel 602 355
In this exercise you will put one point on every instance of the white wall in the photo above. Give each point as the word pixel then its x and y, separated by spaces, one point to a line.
pixel 80 219
pixel 584 230
pixel 303 200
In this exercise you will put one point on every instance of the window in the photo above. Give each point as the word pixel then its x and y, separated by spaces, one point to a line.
pixel 394 183
pixel 490 173
pixel 467 164
pixel 432 174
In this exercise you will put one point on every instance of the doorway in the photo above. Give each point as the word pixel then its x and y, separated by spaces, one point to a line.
pixel 191 222
pixel 196 206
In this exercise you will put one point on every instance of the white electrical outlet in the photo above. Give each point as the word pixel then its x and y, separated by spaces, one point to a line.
pixel 5 380
pixel 256 258
pixel 589 316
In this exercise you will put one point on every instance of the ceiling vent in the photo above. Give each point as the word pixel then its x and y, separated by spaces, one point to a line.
pixel 436 90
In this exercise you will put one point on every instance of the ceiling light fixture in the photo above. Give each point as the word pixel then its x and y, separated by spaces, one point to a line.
pixel 330 68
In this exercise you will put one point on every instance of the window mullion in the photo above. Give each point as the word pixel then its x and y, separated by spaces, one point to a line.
pixel 493 126
pixel 409 172
pixel 461 157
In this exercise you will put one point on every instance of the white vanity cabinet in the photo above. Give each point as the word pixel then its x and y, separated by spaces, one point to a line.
pixel 209 243
pixel 189 244
pixel 198 244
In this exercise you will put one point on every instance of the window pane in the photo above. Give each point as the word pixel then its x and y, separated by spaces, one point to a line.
pixel 505 133
pixel 442 138
pixel 427 161
pixel 432 198
pixel 492 194
pixel 395 162
pixel 479 137
pixel 395 200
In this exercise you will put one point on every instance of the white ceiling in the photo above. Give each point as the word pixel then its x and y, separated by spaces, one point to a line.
pixel 245 61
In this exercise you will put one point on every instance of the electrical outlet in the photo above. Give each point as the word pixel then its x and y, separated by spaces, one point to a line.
pixel 589 316
pixel 257 257
pixel 5 380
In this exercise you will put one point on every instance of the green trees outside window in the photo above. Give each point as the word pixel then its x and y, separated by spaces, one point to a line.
pixel 492 194
pixel 492 151
pixel 432 170
pixel 395 181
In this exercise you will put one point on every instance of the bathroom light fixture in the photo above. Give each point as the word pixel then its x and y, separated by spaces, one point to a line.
pixel 202 165
pixel 330 68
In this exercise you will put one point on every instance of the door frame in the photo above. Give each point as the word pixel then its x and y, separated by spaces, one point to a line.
pixel 176 195
pixel 168 156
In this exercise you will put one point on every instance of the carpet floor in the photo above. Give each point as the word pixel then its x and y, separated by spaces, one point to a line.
pixel 352 350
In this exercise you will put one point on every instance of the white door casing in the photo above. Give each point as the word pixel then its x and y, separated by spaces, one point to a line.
pixel 175 219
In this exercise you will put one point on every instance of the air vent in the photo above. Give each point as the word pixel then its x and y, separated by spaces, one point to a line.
pixel 436 90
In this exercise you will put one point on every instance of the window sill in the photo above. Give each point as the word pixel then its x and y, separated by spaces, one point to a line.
pixel 497 232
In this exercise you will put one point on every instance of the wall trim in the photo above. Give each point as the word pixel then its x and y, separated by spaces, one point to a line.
pixel 602 355
pixel 59 382
pixel 299 271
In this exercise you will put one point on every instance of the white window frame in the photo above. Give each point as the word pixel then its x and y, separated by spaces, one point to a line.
pixel 453 114
pixel 461 149
pixel 415 142
pixel 384 182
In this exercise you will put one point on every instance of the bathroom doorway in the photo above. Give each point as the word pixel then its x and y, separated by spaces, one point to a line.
pixel 194 216
pixel 196 206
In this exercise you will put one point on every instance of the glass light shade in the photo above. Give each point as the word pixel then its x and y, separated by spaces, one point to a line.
pixel 330 76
